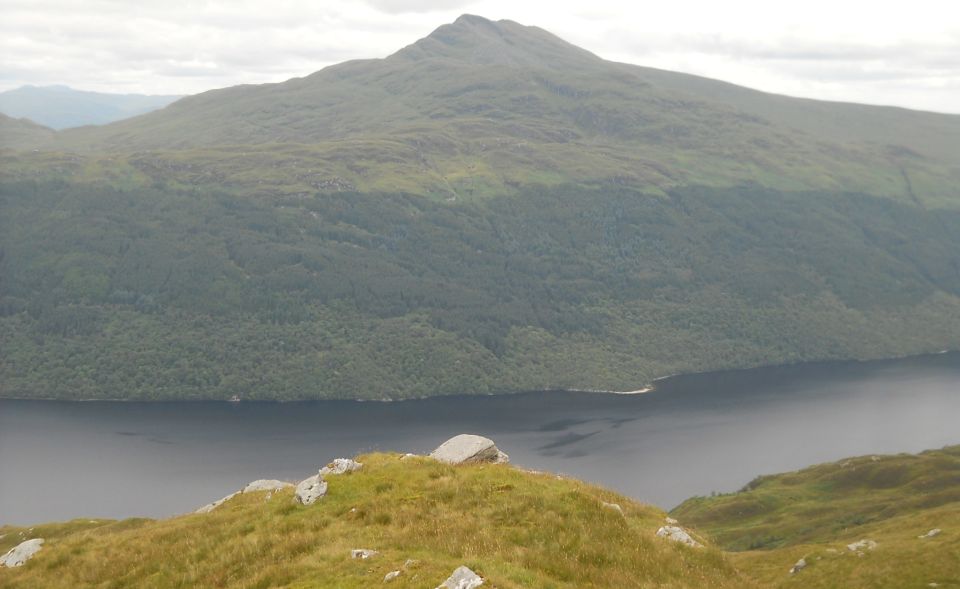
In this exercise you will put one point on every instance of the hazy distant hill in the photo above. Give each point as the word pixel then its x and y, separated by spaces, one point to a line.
pixel 488 209
pixel 61 107
pixel 22 133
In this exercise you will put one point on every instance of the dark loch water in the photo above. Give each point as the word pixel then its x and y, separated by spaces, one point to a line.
pixel 693 435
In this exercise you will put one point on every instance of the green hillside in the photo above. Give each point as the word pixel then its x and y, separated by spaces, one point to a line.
pixel 815 513
pixel 531 530
pixel 478 107
pixel 489 209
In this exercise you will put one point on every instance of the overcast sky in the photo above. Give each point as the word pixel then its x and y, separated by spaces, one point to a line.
pixel 879 52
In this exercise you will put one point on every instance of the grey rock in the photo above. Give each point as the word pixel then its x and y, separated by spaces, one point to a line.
pixel 671 521
pixel 930 534
pixel 862 545
pixel 363 553
pixel 21 553
pixel 467 448
pixel 677 534
pixel 462 578
pixel 801 564
pixel 340 466
pixel 253 487
pixel 211 506
pixel 265 485
pixel 310 489
pixel 391 576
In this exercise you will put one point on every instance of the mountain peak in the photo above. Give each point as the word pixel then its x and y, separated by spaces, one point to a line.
pixel 477 40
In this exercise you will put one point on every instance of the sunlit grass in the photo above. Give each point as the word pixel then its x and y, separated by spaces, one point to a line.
pixel 514 528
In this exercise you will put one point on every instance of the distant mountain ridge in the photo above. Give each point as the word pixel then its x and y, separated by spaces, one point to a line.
pixel 62 107
pixel 488 209
pixel 475 105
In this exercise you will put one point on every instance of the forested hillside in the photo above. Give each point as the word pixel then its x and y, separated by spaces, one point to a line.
pixel 489 209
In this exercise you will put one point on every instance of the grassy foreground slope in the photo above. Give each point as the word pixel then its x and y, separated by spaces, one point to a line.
pixel 521 529
pixel 518 530
pixel 815 513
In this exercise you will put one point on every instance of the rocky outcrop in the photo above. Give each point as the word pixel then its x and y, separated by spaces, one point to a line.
pixel 468 448
pixel 462 578
pixel 21 553
pixel 265 485
pixel 677 534
pixel 862 545
pixel 310 489
pixel 930 534
pixel 391 576
pixel 340 466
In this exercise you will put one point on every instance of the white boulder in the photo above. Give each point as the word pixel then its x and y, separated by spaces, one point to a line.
pixel 310 489
pixel 363 553
pixel 677 534
pixel 340 466
pixel 265 485
pixel 801 564
pixel 862 545
pixel 467 448
pixel 21 553
pixel 462 578
pixel 391 576
pixel 930 534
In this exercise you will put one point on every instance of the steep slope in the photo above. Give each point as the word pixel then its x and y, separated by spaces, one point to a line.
pixel 61 107
pixel 814 514
pixel 488 209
